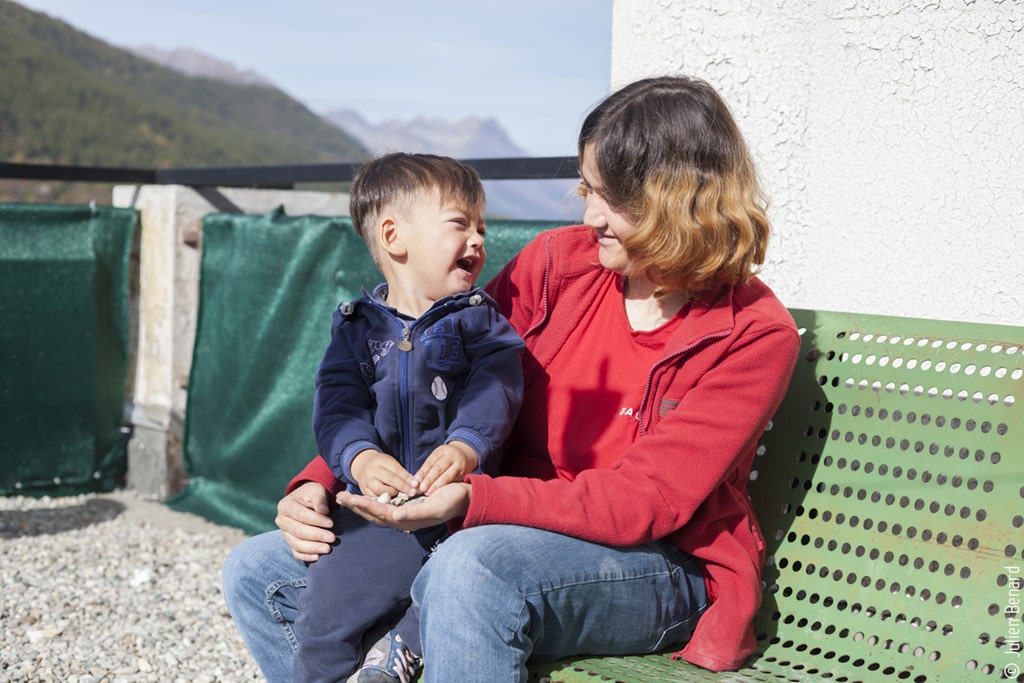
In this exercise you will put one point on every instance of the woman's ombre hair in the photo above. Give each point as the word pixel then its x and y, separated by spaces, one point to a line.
pixel 671 157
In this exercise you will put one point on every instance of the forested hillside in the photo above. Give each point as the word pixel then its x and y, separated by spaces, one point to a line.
pixel 68 98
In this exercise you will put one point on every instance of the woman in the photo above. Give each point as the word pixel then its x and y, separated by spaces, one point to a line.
pixel 654 361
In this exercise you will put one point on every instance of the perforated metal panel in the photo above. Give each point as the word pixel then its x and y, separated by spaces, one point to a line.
pixel 890 487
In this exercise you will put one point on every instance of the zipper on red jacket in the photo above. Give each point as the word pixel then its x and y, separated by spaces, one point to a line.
pixel 544 289
pixel 667 359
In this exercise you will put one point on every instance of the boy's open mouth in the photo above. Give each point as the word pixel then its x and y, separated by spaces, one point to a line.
pixel 465 264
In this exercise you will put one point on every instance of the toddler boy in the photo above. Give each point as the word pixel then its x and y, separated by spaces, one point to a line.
pixel 419 386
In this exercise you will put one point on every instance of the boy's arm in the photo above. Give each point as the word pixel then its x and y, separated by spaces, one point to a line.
pixel 494 388
pixel 376 473
pixel 342 405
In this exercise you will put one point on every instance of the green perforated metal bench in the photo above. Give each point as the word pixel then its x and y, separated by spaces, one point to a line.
pixel 890 487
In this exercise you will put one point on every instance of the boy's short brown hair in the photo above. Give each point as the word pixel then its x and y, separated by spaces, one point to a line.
pixel 399 177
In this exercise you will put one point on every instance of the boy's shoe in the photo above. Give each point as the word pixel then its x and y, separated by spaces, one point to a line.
pixel 388 661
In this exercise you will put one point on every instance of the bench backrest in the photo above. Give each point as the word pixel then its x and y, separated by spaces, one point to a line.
pixel 891 491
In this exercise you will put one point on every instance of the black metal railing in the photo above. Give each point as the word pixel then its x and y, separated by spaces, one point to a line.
pixel 275 176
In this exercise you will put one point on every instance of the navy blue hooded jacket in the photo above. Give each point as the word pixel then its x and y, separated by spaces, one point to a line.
pixel 405 386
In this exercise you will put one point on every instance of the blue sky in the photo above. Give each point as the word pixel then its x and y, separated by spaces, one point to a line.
pixel 535 65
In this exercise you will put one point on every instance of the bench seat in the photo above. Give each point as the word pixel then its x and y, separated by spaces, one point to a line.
pixel 890 488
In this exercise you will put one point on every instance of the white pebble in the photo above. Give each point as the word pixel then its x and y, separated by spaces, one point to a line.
pixel 140 577
pixel 36 635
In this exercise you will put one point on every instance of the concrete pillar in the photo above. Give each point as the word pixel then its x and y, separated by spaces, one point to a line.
pixel 166 304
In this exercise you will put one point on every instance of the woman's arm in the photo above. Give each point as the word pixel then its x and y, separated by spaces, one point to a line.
pixel 316 470
pixel 658 484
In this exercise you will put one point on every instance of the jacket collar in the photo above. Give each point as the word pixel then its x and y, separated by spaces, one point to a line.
pixel 711 315
pixel 380 295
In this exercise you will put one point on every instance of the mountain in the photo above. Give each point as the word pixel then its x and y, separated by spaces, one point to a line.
pixel 469 138
pixel 194 63
pixel 69 98
pixel 466 138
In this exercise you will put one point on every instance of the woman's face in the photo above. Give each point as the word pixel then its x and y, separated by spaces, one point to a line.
pixel 610 223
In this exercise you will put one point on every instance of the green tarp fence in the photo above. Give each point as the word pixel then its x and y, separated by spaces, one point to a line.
pixel 64 347
pixel 268 286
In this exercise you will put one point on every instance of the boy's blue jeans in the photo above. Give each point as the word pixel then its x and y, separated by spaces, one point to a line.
pixel 361 586
pixel 491 598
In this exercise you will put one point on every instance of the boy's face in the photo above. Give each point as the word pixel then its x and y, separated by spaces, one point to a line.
pixel 445 245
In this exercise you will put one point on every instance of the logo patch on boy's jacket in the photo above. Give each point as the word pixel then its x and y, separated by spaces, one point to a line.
pixel 666 406
pixel 439 389
pixel 444 347
pixel 379 348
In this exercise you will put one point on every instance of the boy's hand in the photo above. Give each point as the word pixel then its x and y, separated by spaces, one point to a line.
pixel 378 473
pixel 448 463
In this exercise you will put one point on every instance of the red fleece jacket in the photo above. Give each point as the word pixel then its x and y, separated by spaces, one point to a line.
pixel 705 405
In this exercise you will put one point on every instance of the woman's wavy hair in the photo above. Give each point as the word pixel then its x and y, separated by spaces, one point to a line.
pixel 671 157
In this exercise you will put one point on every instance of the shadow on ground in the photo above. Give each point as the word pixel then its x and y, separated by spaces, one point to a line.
pixel 19 523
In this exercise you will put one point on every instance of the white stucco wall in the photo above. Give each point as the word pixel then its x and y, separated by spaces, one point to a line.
pixel 890 136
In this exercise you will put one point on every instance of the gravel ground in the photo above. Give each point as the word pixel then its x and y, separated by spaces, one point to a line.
pixel 114 589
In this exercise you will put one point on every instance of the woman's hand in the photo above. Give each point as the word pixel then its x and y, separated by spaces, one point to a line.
pixel 303 516
pixel 444 504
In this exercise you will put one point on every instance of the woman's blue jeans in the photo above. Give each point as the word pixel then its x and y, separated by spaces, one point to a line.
pixel 262 584
pixel 491 598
